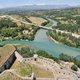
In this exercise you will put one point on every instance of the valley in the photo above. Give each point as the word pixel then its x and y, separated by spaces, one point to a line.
pixel 41 44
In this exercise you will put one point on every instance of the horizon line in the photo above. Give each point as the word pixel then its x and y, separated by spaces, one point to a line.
pixel 37 4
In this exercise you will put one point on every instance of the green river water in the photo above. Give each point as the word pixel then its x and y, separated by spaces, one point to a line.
pixel 41 41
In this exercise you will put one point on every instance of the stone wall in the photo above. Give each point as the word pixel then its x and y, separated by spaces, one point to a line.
pixel 8 62
pixel 49 65
pixel 54 68
pixel 18 56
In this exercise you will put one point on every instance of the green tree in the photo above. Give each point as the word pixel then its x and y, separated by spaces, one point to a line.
pixel 74 67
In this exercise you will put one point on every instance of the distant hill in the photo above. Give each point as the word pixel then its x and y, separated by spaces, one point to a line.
pixel 44 6
pixel 39 7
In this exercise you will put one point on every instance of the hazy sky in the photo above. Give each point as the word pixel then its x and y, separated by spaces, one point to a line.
pixel 11 3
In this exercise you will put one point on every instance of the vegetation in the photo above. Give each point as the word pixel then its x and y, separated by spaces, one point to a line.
pixel 27 20
pixel 74 28
pixel 7 23
pixel 19 69
pixel 64 38
pixel 20 17
pixel 10 31
pixel 29 68
pixel 13 30
pixel 68 19
pixel 29 52
pixel 67 58
pixel 44 23
pixel 41 73
pixel 49 24
pixel 37 20
pixel 9 76
pixel 6 32
pixel 26 52
pixel 74 67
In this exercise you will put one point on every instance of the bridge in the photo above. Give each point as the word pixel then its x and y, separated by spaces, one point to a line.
pixel 46 28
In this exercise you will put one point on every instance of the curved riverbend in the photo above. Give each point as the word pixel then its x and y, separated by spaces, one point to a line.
pixel 41 41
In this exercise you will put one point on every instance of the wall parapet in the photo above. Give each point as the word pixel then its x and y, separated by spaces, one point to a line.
pixel 51 64
pixel 11 71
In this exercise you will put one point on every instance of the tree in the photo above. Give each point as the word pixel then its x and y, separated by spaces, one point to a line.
pixel 9 32
pixel 42 53
pixel 7 23
pixel 74 67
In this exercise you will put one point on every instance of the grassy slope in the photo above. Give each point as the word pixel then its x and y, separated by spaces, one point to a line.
pixel 38 73
pixel 41 73
pixel 9 76
pixel 22 69
pixel 25 69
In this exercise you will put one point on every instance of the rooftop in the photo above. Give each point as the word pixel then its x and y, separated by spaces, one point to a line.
pixel 5 52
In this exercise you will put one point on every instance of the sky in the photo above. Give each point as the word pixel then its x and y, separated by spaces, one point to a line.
pixel 14 3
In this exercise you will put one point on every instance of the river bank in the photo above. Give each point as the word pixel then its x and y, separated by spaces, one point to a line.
pixel 53 40
pixel 41 41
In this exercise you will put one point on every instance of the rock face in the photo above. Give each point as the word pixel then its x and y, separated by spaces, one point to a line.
pixel 8 62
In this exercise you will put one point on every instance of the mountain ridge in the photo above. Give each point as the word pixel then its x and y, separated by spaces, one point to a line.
pixel 39 7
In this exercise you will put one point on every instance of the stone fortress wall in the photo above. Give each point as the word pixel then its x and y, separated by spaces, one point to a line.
pixel 51 66
pixel 8 62
pixel 5 67
pixel 60 74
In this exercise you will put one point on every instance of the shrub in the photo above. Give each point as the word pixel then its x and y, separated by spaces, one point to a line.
pixel 74 67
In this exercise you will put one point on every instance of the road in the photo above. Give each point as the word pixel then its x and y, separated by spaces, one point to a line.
pixel 47 28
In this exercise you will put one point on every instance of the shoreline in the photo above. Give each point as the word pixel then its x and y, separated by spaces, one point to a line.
pixel 53 40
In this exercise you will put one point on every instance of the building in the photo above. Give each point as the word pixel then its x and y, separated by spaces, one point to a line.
pixel 26 32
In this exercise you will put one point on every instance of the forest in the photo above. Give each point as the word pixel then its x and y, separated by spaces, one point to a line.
pixel 9 30
pixel 64 38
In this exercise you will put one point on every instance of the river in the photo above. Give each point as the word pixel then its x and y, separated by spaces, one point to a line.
pixel 41 41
